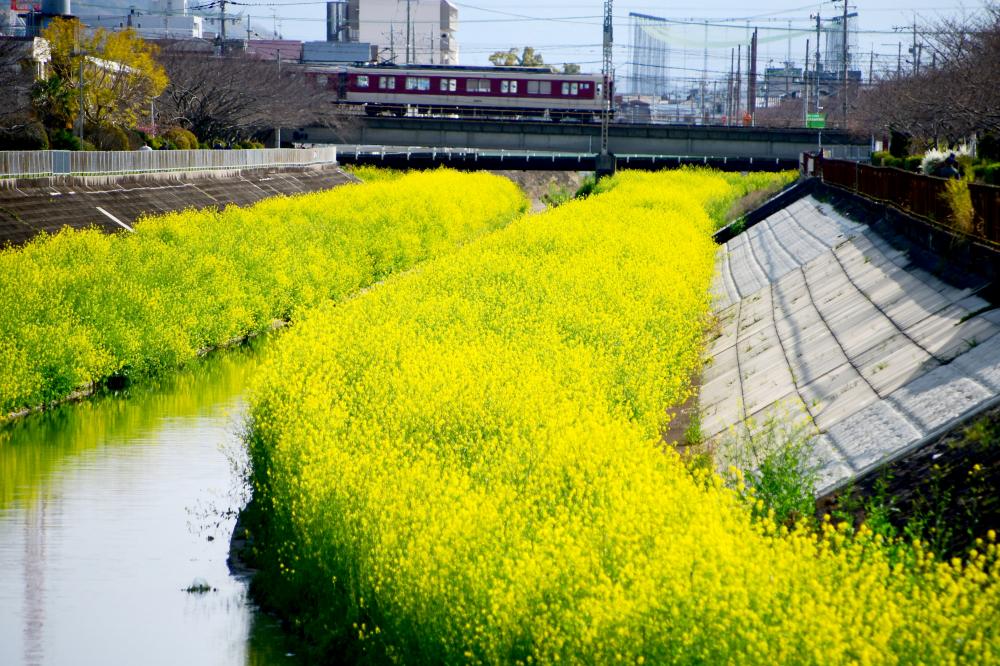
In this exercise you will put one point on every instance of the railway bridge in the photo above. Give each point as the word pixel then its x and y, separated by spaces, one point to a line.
pixel 689 141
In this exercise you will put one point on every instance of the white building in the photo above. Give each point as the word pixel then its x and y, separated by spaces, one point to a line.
pixel 406 31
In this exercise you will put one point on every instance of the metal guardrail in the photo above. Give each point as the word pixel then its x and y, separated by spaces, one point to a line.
pixel 917 194
pixel 422 157
pixel 42 163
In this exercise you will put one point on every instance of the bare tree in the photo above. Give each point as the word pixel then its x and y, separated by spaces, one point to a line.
pixel 954 95
pixel 16 79
pixel 238 97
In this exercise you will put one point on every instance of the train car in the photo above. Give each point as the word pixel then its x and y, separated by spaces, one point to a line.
pixel 468 91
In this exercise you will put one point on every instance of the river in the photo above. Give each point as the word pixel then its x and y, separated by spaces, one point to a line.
pixel 110 508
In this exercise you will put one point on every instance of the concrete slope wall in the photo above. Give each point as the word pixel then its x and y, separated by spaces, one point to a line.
pixel 28 207
pixel 823 320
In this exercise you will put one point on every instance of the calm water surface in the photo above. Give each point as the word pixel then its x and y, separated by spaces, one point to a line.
pixel 110 508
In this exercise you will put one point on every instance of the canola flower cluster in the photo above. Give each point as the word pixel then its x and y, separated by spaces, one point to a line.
pixel 81 306
pixel 465 465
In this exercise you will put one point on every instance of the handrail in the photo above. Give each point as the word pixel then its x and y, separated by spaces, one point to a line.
pixel 916 194
pixel 44 163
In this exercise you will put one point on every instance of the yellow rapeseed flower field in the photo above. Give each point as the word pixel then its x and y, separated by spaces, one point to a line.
pixel 80 306
pixel 465 465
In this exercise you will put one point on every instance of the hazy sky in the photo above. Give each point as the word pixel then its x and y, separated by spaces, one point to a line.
pixel 570 30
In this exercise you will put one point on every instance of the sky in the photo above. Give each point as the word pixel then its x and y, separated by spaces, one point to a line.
pixel 570 30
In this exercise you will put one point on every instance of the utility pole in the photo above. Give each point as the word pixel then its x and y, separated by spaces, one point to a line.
pixel 222 20
pixel 899 61
pixel 788 55
pixel 843 54
pixel 816 64
pixel 408 60
pixel 605 161
pixel 845 84
pixel 739 83
pixel 277 128
pixel 805 88
pixel 704 77
pixel 729 87
pixel 752 79
pixel 715 99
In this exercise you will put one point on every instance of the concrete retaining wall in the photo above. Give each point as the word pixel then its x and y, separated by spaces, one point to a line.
pixel 31 206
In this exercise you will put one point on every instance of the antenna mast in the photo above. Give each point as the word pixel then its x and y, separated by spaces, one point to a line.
pixel 607 72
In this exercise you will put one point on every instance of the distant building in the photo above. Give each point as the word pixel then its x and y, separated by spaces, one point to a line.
pixel 405 31
pixel 339 52
pixel 779 83
pixel 164 19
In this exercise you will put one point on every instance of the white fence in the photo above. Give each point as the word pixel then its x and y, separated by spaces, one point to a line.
pixel 38 163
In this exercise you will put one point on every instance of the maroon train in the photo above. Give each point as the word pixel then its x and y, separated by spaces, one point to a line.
pixel 464 91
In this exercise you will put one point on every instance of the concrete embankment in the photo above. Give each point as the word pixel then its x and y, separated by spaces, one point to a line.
pixel 31 206
pixel 881 343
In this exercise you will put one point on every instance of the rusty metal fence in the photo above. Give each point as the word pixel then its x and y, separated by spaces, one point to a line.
pixel 916 194
pixel 32 164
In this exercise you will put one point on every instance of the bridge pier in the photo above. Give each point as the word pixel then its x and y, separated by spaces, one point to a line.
pixel 605 165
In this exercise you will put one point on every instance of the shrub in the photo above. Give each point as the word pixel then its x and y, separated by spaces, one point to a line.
pixel 987 173
pixel 770 465
pixel 959 200
pixel 30 136
pixel 136 139
pixel 880 156
pixel 912 163
pixel 899 144
pixel 64 139
pixel 988 146
pixel 107 137
pixel 586 188
pixel 181 138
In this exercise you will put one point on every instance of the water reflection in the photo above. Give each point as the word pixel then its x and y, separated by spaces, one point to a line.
pixel 109 509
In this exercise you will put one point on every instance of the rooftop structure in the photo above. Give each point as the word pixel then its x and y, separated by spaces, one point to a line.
pixel 420 32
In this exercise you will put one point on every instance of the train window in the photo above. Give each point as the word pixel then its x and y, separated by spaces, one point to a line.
pixel 411 83
pixel 471 85
pixel 449 85
pixel 513 86
pixel 574 89
pixel 532 87
pixel 565 88
pixel 484 85
pixel 545 88
pixel 362 81
pixel 387 82
pixel 504 86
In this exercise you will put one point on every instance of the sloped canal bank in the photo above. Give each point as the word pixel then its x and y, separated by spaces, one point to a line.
pixel 111 508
